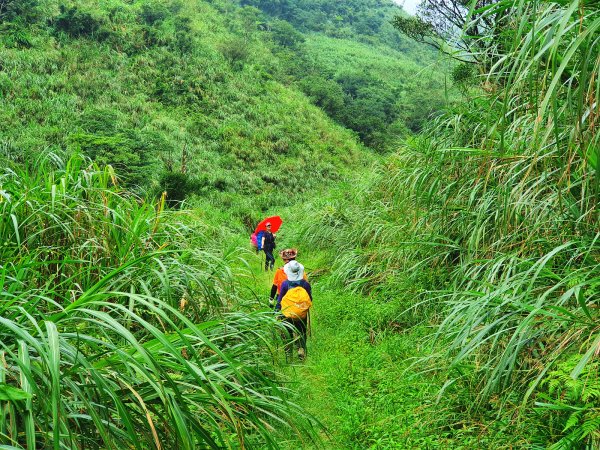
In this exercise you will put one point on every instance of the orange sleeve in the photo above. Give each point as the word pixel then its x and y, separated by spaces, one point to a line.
pixel 279 278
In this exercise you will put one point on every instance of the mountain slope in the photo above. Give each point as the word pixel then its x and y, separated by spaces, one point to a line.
pixel 168 93
pixel 351 62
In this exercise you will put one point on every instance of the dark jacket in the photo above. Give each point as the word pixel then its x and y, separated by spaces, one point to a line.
pixel 269 245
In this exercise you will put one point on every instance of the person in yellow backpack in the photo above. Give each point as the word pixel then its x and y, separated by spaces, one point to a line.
pixel 287 255
pixel 294 302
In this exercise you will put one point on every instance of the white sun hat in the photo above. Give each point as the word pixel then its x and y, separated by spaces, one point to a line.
pixel 294 270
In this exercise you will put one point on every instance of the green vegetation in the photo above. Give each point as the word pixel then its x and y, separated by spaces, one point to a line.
pixel 363 20
pixel 455 266
pixel 128 324
pixel 157 88
pixel 485 227
pixel 347 58
pixel 113 327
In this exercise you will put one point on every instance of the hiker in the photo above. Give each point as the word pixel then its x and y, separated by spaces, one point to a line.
pixel 294 302
pixel 268 245
pixel 289 254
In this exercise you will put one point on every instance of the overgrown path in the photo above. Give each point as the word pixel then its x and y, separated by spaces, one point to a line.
pixel 360 379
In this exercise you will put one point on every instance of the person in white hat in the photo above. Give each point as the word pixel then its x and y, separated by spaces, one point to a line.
pixel 287 255
pixel 295 278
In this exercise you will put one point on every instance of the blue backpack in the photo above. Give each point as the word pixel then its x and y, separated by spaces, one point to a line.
pixel 259 237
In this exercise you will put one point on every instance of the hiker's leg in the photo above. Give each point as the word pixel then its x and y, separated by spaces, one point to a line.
pixel 270 260
pixel 301 327
pixel 289 337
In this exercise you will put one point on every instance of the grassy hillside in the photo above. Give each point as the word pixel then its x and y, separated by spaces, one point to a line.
pixel 410 90
pixel 367 21
pixel 174 95
pixel 350 61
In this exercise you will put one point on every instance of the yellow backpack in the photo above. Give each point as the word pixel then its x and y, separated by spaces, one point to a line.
pixel 296 303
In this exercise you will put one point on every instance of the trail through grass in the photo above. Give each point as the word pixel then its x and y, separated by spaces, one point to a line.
pixel 360 380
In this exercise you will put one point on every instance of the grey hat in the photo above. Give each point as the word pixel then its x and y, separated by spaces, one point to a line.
pixel 294 270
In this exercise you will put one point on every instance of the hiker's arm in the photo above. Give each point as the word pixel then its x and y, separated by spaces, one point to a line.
pixel 282 291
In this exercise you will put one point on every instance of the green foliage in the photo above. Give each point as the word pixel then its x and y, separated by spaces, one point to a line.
pixel 14 35
pixel 112 332
pixel 382 98
pixel 22 11
pixel 285 35
pixel 125 152
pixel 326 94
pixel 375 68
pixel 154 13
pixel 568 408
pixel 76 22
pixel 236 51
pixel 437 22
pixel 364 20
pixel 156 77
pixel 486 226
pixel 415 28
pixel 463 73
pixel 177 187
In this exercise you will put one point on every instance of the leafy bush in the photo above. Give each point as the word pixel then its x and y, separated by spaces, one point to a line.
pixel 236 51
pixel 326 94
pixel 154 13
pixel 76 22
pixel 177 187
pixel 21 11
pixel 285 35
pixel 124 151
pixel 15 36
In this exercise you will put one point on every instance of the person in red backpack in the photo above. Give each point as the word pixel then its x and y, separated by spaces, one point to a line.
pixel 294 302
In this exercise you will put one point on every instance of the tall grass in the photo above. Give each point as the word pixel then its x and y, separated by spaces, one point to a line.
pixel 114 331
pixel 491 216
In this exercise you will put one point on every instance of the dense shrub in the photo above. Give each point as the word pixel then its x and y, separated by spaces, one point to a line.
pixel 125 152
pixel 15 35
pixel 326 94
pixel 76 22
pixel 177 187
pixel 285 35
pixel 21 11
pixel 236 51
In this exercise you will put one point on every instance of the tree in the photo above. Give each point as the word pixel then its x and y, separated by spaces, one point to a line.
pixel 25 11
pixel 458 23
pixel 285 35
pixel 326 94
